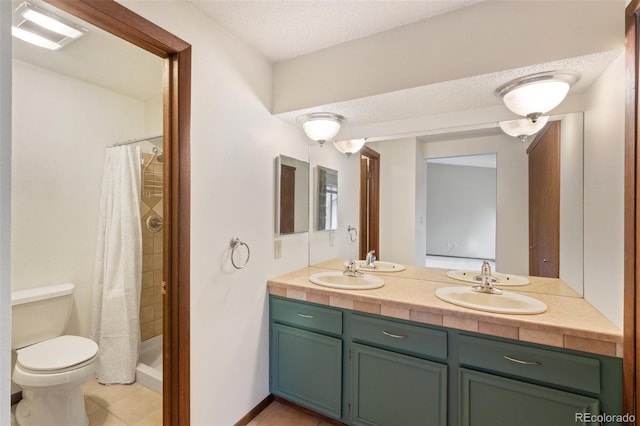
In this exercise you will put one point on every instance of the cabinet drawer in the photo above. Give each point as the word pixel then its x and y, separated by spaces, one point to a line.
pixel 548 366
pixel 399 336
pixel 312 317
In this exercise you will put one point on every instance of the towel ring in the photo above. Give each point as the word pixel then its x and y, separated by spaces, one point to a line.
pixel 235 243
pixel 353 233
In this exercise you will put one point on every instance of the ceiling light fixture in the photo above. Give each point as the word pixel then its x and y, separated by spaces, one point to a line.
pixel 536 94
pixel 523 127
pixel 42 28
pixel 350 146
pixel 321 126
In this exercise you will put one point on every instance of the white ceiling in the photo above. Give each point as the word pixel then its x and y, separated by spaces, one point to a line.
pixel 285 29
pixel 280 30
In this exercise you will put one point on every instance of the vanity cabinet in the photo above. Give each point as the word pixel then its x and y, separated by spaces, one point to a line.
pixel 306 355
pixel 533 385
pixel 396 385
pixel 366 369
pixel 488 399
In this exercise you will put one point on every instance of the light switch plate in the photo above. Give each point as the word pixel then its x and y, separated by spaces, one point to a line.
pixel 277 249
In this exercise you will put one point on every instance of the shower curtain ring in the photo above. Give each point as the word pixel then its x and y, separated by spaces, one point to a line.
pixel 235 243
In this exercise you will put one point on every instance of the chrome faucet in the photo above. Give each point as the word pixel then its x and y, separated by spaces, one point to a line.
pixel 369 261
pixel 350 269
pixel 487 280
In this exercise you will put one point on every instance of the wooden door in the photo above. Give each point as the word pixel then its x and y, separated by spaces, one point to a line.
pixel 544 203
pixel 369 202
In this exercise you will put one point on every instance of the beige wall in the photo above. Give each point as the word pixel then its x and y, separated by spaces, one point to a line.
pixel 604 198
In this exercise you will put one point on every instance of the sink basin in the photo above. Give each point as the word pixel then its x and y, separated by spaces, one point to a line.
pixel 336 279
pixel 505 303
pixel 503 280
pixel 380 266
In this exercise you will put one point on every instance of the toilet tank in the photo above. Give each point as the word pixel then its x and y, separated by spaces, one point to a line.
pixel 39 314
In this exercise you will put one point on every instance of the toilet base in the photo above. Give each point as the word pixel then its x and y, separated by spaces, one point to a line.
pixel 60 407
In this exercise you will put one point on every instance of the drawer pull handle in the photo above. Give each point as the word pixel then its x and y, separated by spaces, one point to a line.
pixel 395 336
pixel 304 315
pixel 521 362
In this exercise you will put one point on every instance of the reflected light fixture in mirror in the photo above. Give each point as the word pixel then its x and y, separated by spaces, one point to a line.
pixel 350 146
pixel 536 94
pixel 523 127
pixel 321 126
pixel 42 28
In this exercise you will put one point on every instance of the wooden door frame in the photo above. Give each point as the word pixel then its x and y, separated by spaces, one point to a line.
pixel 122 22
pixel 631 368
pixel 631 226
pixel 370 204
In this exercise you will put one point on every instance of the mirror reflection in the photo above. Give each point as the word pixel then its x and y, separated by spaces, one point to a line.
pixel 415 231
pixel 326 199
pixel 461 208
pixel 292 195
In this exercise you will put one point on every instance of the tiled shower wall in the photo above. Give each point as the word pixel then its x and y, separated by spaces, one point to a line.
pixel 151 296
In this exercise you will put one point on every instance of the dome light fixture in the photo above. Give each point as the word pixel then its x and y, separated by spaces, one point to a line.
pixel 522 128
pixel 350 146
pixel 321 126
pixel 536 94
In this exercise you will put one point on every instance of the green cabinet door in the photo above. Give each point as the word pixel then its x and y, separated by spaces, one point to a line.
pixel 390 389
pixel 306 368
pixel 490 400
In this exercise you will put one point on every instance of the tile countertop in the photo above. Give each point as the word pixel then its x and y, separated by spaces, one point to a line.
pixel 569 322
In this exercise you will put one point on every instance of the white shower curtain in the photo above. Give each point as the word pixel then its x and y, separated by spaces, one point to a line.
pixel 115 322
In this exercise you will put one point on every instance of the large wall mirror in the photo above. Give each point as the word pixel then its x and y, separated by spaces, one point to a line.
pixel 292 195
pixel 404 194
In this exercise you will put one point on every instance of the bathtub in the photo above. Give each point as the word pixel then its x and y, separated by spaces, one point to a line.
pixel 149 369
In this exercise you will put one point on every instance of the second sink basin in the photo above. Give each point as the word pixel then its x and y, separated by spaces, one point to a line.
pixel 336 279
pixel 505 303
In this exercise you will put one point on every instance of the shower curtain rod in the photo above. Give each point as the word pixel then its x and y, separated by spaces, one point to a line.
pixel 132 141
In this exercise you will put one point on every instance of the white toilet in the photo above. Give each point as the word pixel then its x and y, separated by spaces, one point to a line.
pixel 50 368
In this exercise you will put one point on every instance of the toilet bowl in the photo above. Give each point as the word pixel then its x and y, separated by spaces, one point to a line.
pixel 50 368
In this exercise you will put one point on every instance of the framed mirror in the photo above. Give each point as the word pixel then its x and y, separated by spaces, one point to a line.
pixel 326 199
pixel 292 195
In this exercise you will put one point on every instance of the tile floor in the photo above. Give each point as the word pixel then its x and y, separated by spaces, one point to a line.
pixel 120 405
pixel 277 414
pixel 135 405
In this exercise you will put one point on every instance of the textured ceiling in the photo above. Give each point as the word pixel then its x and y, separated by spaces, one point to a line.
pixel 455 95
pixel 285 29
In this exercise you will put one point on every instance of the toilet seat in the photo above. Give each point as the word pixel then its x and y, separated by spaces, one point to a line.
pixel 57 355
